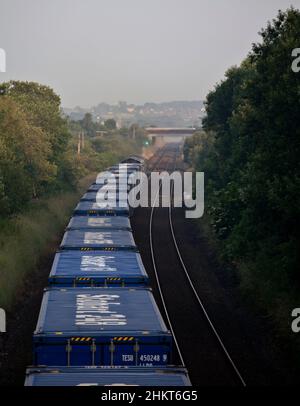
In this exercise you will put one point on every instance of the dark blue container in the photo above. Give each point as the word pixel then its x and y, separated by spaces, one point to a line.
pixel 101 268
pixel 93 196
pixel 95 187
pixel 87 239
pixel 77 376
pixel 101 326
pixel 130 167
pixel 116 178
pixel 133 159
pixel 95 223
pixel 93 209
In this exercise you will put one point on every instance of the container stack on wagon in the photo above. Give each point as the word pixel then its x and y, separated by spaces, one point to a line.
pixel 98 311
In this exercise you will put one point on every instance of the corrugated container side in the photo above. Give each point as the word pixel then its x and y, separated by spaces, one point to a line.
pixel 101 326
pixel 86 239
pixel 106 222
pixel 102 268
pixel 93 209
pixel 94 196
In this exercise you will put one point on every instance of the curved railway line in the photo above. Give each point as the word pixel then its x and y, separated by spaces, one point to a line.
pixel 167 160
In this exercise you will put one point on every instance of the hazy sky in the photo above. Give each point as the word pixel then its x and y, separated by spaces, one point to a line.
pixel 136 50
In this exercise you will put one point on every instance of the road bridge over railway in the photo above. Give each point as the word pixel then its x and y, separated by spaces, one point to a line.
pixel 169 134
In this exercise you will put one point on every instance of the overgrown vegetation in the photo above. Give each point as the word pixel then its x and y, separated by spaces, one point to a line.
pixel 39 147
pixel 249 151
pixel 30 236
pixel 42 170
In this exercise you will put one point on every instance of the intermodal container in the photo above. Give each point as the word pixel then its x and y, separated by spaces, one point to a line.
pixel 99 376
pixel 94 209
pixel 101 326
pixel 111 223
pixel 94 196
pixel 115 178
pixel 98 240
pixel 101 268
pixel 96 187
pixel 133 159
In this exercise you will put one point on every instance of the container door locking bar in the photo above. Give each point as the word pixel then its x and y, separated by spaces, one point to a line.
pixel 112 349
pixel 136 349
pixel 114 281
pixel 68 350
pixel 93 350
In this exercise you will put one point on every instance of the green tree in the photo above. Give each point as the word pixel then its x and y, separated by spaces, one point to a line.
pixel 42 107
pixel 25 151
pixel 110 124
pixel 88 125
pixel 251 155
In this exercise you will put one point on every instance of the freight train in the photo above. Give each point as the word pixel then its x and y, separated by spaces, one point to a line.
pixel 99 323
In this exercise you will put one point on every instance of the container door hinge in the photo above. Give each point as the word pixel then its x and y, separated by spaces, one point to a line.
pixel 93 350
pixel 68 350
pixel 112 349
pixel 136 349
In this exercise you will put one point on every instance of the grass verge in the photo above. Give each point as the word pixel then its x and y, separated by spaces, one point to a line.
pixel 25 239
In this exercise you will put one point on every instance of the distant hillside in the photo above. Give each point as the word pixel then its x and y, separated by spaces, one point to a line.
pixel 169 114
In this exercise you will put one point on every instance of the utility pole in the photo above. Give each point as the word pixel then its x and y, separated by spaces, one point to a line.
pixel 79 144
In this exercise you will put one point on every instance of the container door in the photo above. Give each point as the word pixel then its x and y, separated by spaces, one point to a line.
pixel 129 351
pixel 82 351
pixel 53 354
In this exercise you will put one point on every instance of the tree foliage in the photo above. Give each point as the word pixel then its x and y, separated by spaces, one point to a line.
pixel 250 153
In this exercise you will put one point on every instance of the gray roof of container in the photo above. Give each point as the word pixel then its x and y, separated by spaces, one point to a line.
pixel 109 376
pixel 112 205
pixel 135 158
pixel 110 194
pixel 85 222
pixel 85 238
pixel 91 263
pixel 99 311
pixel 98 186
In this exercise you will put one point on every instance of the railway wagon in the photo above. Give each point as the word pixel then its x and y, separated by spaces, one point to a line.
pixel 116 172
pixel 86 239
pixel 95 187
pixel 80 376
pixel 101 326
pixel 133 159
pixel 133 166
pixel 88 208
pixel 95 223
pixel 122 171
pixel 102 268
pixel 114 177
pixel 93 196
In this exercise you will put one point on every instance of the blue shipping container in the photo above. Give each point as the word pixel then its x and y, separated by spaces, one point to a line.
pixel 95 187
pixel 101 326
pixel 77 268
pixel 93 196
pixel 93 209
pixel 128 166
pixel 98 240
pixel 86 222
pixel 80 376
pixel 113 179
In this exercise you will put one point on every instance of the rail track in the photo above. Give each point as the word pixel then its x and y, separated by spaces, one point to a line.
pixel 171 165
